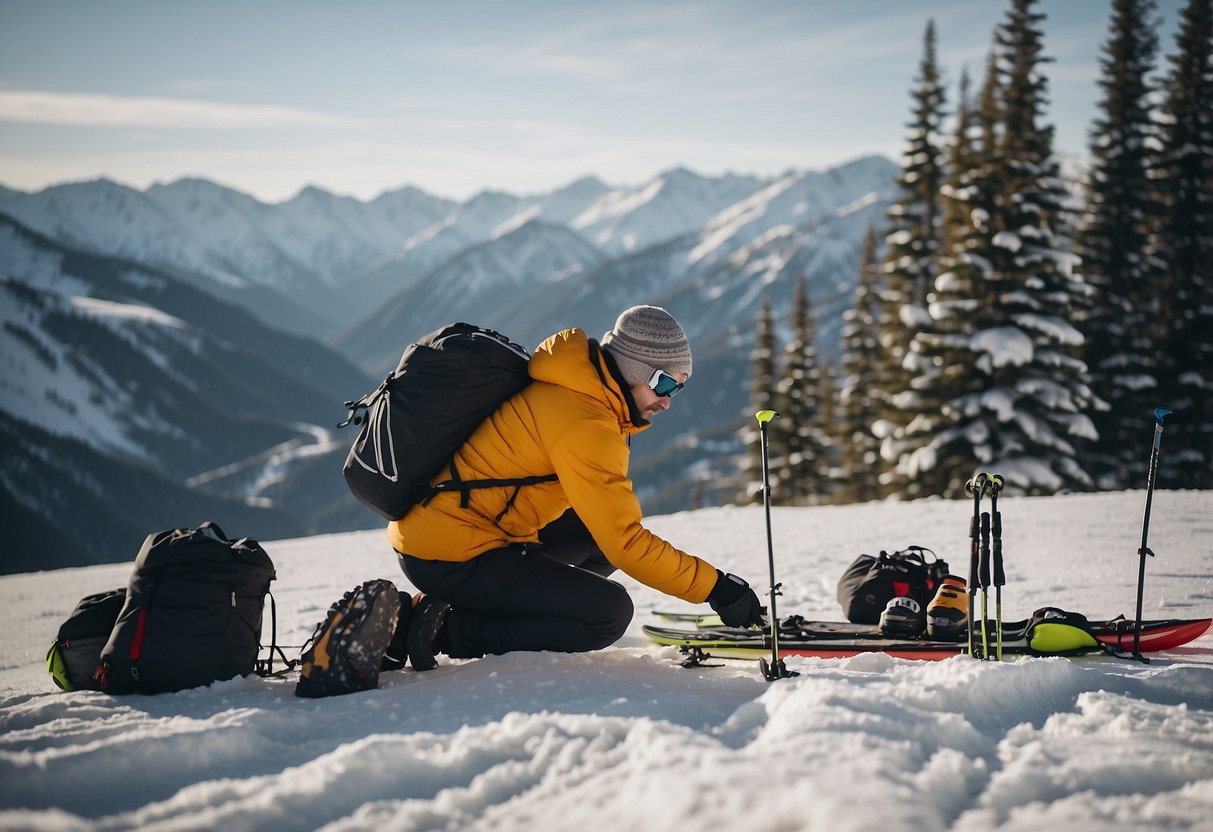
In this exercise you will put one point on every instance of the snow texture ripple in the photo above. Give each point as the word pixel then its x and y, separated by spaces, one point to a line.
pixel 625 737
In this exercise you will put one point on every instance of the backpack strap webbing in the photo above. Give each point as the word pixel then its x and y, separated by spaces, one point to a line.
pixel 597 356
pixel 265 667
pixel 464 487
pixel 216 532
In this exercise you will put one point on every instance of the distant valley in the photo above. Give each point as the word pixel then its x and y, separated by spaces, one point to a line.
pixel 199 343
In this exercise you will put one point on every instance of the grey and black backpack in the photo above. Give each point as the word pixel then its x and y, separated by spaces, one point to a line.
pixel 444 386
pixel 190 615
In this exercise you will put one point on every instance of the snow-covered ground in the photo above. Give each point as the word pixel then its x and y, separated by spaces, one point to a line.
pixel 625 739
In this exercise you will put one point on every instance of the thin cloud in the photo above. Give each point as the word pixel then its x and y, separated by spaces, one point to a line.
pixel 655 52
pixel 92 110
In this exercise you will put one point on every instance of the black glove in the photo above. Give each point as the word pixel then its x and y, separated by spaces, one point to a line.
pixel 735 602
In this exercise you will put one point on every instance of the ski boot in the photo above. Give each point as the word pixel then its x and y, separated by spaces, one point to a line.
pixel 947 614
pixel 425 632
pixel 345 652
pixel 903 617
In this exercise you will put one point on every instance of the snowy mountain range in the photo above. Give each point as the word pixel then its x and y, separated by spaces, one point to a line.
pixel 120 375
pixel 200 334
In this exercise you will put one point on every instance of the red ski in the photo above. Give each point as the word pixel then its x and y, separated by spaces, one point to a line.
pixel 835 640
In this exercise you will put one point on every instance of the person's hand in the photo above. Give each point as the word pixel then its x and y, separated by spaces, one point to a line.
pixel 735 602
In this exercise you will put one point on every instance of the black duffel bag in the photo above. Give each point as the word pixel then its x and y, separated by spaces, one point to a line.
pixel 873 580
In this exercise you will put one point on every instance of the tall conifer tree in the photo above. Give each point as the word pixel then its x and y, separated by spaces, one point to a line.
pixel 1186 234
pixel 1038 390
pixel 830 413
pixel 804 458
pixel 1017 401
pixel 763 396
pixel 1117 245
pixel 860 450
pixel 912 248
pixel 945 439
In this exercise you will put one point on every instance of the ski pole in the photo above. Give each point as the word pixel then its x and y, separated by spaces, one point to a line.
pixel 1160 413
pixel 996 483
pixel 974 487
pixel 776 669
pixel 984 576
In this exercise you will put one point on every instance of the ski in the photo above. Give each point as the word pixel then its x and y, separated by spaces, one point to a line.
pixel 828 639
pixel 710 619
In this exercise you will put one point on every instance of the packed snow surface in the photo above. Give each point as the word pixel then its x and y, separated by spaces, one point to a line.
pixel 625 739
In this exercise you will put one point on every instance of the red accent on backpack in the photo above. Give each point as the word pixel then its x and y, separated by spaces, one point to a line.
pixel 137 641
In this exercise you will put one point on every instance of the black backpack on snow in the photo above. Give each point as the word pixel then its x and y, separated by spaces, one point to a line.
pixel 445 385
pixel 191 614
pixel 75 654
pixel 873 580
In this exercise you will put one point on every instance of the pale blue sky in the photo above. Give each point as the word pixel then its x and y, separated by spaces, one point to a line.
pixel 455 97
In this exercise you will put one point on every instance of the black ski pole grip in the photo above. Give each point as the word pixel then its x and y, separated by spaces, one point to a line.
pixel 984 574
pixel 973 564
pixel 996 529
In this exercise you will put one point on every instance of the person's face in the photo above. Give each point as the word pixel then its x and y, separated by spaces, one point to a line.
pixel 649 402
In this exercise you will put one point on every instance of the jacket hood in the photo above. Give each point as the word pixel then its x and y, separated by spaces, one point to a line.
pixel 571 359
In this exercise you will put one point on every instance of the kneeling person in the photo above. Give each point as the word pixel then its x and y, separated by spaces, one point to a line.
pixel 494 567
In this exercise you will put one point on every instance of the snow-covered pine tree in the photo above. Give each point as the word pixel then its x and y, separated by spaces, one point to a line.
pixel 951 433
pixel 860 450
pixel 909 267
pixel 1117 245
pixel 827 395
pixel 803 467
pixel 762 397
pixel 1185 181
pixel 1037 393
pixel 1009 392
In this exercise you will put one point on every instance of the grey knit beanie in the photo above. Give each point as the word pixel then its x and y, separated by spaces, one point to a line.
pixel 647 338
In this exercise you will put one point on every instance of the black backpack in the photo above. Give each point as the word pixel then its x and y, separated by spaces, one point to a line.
pixel 873 580
pixel 191 614
pixel 75 653
pixel 445 385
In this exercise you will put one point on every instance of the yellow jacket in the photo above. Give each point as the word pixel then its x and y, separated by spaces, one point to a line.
pixel 574 420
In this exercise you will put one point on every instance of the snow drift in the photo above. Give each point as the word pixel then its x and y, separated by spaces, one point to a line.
pixel 626 739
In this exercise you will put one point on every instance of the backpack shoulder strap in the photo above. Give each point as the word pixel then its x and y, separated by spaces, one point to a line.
pixel 265 667
pixel 213 528
pixel 918 554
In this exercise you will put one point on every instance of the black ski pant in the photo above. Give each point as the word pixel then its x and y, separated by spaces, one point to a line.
pixel 553 595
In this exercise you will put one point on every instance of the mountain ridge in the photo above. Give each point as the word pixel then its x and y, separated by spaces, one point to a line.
pixel 514 263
